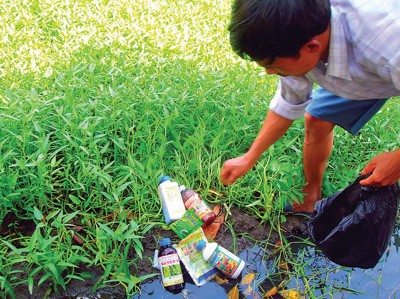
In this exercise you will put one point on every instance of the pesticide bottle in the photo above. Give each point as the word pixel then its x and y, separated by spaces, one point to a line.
pixel 192 199
pixel 224 260
pixel 172 203
pixel 171 271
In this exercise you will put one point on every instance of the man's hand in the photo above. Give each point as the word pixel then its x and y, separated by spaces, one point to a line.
pixel 234 169
pixel 385 169
pixel 272 129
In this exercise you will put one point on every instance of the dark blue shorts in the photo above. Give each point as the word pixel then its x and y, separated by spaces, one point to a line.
pixel 351 115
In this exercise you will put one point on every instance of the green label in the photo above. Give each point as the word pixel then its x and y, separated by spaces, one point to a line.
pixel 187 224
pixel 170 269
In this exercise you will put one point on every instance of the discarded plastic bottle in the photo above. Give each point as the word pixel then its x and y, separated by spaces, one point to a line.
pixel 192 199
pixel 172 203
pixel 171 271
pixel 224 260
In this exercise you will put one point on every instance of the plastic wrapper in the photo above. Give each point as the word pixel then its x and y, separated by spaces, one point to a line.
pixel 353 227
pixel 186 225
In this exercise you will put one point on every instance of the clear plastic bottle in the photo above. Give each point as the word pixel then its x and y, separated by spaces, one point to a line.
pixel 171 271
pixel 224 260
pixel 192 199
pixel 172 203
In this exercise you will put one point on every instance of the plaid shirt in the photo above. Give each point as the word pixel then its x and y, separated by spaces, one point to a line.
pixel 363 62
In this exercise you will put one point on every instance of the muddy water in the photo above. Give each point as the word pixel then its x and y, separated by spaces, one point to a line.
pixel 382 281
pixel 325 278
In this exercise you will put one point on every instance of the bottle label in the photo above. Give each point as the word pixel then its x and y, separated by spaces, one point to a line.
pixel 200 207
pixel 171 272
pixel 225 261
pixel 174 202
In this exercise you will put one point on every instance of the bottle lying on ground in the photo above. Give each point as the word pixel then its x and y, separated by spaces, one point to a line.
pixel 192 199
pixel 221 258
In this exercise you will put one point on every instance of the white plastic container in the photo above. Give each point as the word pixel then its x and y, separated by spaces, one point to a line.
pixel 172 203
pixel 224 260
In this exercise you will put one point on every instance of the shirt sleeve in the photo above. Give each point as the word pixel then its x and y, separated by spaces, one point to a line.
pixel 292 96
pixel 394 65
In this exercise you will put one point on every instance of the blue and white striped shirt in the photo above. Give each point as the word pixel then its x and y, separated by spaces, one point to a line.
pixel 363 62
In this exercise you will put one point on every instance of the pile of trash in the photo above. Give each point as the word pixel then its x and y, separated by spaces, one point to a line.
pixel 189 217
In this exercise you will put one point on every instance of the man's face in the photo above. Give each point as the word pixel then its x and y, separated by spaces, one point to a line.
pixel 288 66
pixel 307 59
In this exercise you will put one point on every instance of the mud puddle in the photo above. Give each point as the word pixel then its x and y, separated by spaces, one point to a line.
pixel 383 281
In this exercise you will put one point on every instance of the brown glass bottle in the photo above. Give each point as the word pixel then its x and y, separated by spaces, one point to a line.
pixel 192 199
pixel 170 267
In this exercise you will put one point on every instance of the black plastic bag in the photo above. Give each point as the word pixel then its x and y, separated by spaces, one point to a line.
pixel 353 227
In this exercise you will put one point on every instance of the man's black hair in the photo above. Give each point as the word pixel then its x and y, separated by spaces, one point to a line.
pixel 261 29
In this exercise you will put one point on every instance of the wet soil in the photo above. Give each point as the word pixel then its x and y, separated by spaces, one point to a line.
pixel 242 232
pixel 245 231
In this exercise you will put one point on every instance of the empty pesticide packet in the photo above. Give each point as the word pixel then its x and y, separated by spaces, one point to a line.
pixel 186 225
pixel 200 270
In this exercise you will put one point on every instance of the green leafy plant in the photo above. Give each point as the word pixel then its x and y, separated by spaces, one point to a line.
pixel 100 98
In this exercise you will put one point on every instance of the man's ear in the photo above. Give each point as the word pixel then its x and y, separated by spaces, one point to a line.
pixel 312 46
